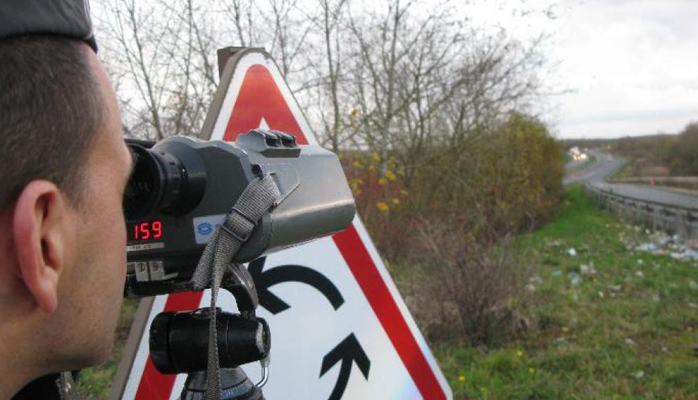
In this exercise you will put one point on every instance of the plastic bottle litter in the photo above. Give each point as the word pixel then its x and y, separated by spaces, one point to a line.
pixel 647 247
pixel 575 279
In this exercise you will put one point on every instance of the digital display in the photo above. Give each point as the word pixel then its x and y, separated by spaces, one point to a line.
pixel 145 231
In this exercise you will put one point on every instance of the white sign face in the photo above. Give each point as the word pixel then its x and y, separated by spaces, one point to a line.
pixel 340 329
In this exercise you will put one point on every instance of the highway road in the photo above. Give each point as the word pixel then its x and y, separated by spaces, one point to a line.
pixel 607 164
pixel 574 165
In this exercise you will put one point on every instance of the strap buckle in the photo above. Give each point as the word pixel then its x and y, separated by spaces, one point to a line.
pixel 246 218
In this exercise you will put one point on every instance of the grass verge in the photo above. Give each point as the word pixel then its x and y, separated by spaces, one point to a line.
pixel 606 323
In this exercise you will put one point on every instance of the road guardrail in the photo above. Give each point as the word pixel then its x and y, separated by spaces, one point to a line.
pixel 682 182
pixel 659 216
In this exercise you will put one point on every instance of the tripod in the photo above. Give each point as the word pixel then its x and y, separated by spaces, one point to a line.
pixel 235 384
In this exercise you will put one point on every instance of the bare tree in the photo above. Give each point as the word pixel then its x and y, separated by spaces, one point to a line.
pixel 240 13
pixel 164 59
pixel 327 66
pixel 395 77
pixel 140 52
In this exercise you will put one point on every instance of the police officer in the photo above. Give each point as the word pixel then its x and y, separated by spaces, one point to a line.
pixel 63 170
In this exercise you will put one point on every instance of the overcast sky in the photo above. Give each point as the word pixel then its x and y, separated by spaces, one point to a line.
pixel 631 66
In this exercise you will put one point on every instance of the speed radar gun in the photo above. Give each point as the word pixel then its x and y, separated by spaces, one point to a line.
pixel 196 211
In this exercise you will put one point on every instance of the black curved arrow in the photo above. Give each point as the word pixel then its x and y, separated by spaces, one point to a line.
pixel 348 352
pixel 290 273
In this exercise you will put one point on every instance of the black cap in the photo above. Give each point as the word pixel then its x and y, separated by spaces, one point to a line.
pixel 70 18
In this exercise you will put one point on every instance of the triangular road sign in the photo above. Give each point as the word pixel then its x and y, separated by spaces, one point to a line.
pixel 340 329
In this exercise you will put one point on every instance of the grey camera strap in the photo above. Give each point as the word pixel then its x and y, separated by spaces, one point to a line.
pixel 258 198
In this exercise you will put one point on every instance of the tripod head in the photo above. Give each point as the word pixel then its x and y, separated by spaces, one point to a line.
pixel 179 342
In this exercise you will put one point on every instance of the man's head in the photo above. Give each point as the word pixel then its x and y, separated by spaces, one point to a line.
pixel 62 231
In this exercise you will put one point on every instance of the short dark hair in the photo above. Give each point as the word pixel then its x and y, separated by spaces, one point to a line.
pixel 50 111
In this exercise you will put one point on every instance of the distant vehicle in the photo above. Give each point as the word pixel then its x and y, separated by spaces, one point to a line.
pixel 577 155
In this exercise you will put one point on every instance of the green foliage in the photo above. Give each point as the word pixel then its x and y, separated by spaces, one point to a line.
pixel 683 156
pixel 661 155
pixel 614 334
pixel 502 179
pixel 380 195
pixel 451 217
pixel 647 155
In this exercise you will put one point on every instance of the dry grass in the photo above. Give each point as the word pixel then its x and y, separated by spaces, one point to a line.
pixel 461 289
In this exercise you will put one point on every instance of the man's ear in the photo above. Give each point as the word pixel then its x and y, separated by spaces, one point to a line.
pixel 40 240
